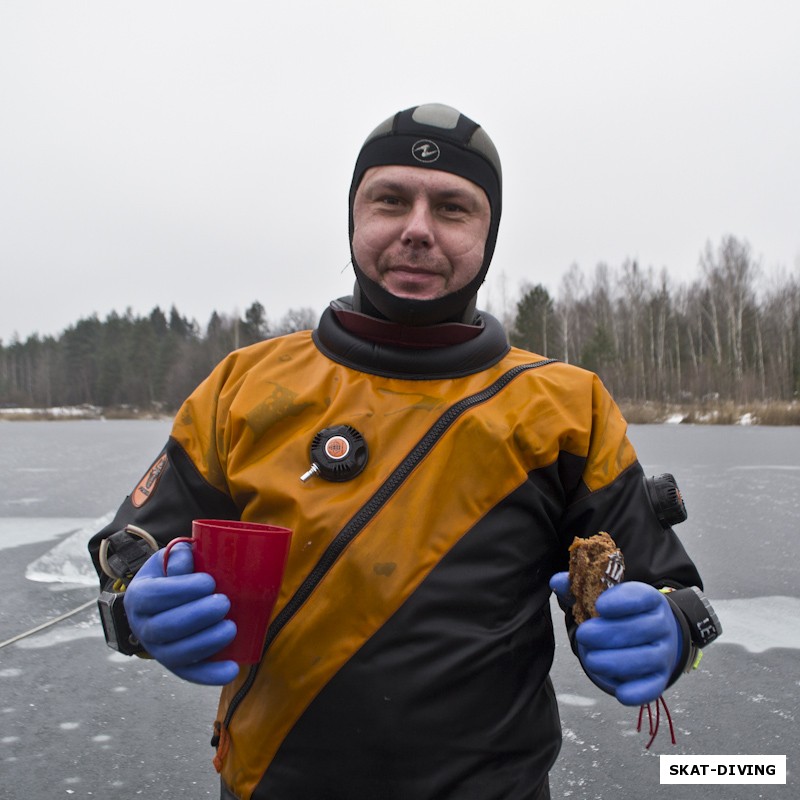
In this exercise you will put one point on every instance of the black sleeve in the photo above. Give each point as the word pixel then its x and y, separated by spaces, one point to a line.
pixel 653 554
pixel 169 496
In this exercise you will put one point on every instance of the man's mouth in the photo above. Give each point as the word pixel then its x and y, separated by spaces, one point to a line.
pixel 414 269
pixel 413 280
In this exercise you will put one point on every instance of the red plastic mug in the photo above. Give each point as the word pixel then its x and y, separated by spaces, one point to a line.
pixel 247 561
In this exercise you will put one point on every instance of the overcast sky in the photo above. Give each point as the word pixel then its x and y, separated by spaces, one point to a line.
pixel 199 153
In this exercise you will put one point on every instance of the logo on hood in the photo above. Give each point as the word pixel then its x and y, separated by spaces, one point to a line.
pixel 425 151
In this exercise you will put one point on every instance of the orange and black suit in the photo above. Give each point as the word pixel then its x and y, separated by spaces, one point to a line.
pixel 409 651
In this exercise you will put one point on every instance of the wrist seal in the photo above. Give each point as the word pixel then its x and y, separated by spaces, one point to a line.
pixel 704 625
pixel 116 627
pixel 121 556
pixel 698 621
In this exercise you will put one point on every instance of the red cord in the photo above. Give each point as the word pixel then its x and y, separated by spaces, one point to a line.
pixel 653 727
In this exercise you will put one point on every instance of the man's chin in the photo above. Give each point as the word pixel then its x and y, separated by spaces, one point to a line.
pixel 415 288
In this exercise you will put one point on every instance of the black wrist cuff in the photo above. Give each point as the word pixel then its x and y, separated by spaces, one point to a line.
pixel 695 608
pixel 116 627
pixel 686 641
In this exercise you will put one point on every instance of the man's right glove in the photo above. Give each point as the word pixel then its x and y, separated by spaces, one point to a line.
pixel 178 618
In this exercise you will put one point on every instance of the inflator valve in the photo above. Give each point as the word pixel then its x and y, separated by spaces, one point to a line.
pixel 337 454
pixel 666 499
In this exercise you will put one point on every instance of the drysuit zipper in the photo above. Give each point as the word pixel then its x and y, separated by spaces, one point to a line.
pixel 368 511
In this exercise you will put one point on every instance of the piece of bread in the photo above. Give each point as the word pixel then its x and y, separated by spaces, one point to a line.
pixel 595 564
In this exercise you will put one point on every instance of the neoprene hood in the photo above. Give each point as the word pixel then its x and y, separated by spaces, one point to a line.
pixel 432 136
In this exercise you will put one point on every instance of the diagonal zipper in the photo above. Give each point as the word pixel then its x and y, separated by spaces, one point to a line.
pixel 368 511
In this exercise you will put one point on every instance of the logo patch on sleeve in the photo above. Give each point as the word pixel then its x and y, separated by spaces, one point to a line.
pixel 147 485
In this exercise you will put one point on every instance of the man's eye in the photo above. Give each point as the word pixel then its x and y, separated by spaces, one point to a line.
pixel 452 208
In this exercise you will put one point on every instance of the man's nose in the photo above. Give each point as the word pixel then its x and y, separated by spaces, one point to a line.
pixel 418 230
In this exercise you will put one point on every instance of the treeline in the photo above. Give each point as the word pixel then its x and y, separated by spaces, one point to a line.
pixel 719 338
pixel 725 337
pixel 148 362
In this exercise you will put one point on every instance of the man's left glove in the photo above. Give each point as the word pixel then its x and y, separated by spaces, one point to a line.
pixel 632 649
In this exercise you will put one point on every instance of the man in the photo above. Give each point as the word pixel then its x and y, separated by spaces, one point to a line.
pixel 409 651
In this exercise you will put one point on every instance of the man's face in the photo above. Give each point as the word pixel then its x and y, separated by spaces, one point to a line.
pixel 419 233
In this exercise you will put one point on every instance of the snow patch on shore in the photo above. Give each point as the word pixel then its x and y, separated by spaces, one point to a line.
pixel 53 412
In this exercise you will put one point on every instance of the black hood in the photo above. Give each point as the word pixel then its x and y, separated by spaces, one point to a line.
pixel 437 137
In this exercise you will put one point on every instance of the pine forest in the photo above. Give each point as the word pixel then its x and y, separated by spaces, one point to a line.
pixel 728 340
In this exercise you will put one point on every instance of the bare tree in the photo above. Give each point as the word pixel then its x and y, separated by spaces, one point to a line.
pixel 571 293
pixel 730 275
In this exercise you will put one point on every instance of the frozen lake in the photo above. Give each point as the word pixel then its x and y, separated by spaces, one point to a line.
pixel 81 721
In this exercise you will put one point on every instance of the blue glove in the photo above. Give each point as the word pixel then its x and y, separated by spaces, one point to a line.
pixel 179 620
pixel 634 646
